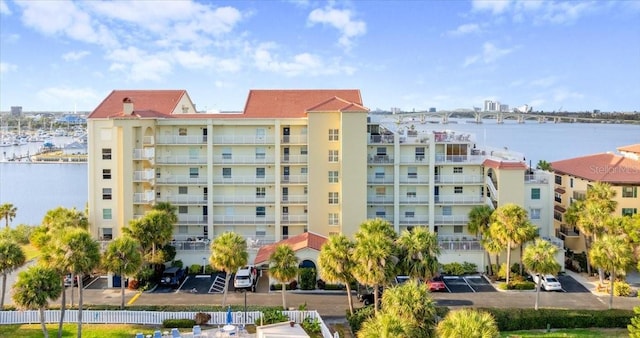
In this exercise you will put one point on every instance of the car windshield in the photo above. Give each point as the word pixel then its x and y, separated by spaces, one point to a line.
pixel 551 280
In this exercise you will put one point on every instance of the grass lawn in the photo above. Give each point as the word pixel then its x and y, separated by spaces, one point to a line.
pixel 70 330
pixel 30 251
pixel 577 333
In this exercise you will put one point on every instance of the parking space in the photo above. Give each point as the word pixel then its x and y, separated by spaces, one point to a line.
pixel 479 284
pixel 462 284
pixel 571 285
pixel 97 283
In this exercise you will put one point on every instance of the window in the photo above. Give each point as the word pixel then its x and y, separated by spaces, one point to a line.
pixel 260 211
pixel 260 153
pixel 558 198
pixel 558 180
pixel 381 213
pixel 419 153
pixel 535 193
pixel 226 172
pixel 446 210
pixel 106 174
pixel 412 172
pixel 183 209
pixel 106 234
pixel 194 173
pixel 457 190
pixel 334 219
pixel 409 214
pixel 106 214
pixel 571 182
pixel 457 229
pixel 333 176
pixel 381 151
pixel 411 194
pixel 182 191
pixel 304 170
pixel 333 134
pixel 457 170
pixel 106 153
pixel 381 191
pixel 629 211
pixel 557 216
pixel 333 198
pixel 226 153
pixel 261 192
pixel 259 172
pixel 303 150
pixel 106 193
pixel 333 156
pixel 534 214
pixel 182 131
pixel 629 192
pixel 379 172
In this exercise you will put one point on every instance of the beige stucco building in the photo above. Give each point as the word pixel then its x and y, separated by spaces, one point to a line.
pixel 573 177
pixel 295 161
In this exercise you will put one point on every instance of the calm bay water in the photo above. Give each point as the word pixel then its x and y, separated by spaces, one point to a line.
pixel 36 188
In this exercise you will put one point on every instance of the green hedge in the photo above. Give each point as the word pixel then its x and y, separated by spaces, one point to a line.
pixel 178 323
pixel 530 319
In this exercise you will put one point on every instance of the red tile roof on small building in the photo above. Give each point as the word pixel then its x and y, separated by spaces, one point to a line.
pixel 160 102
pixel 633 148
pixel 604 167
pixel 507 165
pixel 307 240
pixel 286 103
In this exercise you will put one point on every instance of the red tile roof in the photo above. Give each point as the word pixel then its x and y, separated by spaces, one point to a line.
pixel 633 148
pixel 295 103
pixel 305 240
pixel 507 165
pixel 160 102
pixel 605 167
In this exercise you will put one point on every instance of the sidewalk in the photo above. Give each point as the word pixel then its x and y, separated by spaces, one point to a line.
pixel 591 283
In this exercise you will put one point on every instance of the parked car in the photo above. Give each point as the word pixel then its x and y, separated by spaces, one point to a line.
pixel 172 276
pixel 436 284
pixel 85 278
pixel 246 278
pixel 402 279
pixel 549 282
pixel 365 294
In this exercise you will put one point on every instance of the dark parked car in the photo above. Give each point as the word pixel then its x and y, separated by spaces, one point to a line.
pixel 172 276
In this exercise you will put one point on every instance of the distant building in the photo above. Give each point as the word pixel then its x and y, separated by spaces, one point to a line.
pixel 16 110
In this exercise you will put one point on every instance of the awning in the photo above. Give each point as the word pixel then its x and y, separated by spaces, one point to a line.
pixel 560 190
pixel 559 208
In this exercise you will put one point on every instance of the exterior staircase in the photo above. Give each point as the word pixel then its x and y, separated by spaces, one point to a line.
pixel 218 285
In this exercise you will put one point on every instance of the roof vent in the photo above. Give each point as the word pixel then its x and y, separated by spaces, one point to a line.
pixel 127 106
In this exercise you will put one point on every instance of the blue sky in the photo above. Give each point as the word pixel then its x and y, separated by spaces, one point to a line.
pixel 569 55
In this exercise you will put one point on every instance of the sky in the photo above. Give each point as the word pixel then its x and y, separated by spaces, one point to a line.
pixel 413 55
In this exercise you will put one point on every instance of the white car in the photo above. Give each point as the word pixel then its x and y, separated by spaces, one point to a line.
pixel 245 278
pixel 549 282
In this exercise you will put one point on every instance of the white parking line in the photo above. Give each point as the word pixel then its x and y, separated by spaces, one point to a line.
pixel 469 285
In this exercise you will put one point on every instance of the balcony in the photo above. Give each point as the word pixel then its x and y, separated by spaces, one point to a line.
pixel 414 159
pixel 182 139
pixel 458 199
pixel 414 179
pixel 451 219
pixel 388 218
pixel 493 191
pixel 243 219
pixel 243 139
pixel 144 175
pixel 380 199
pixel 146 197
pixel 244 180
pixel 458 179
pixel 567 231
pixel 181 179
pixel 294 199
pixel 457 159
pixel 459 243
pixel 414 139
pixel 242 199
pixel 181 159
pixel 416 219
pixel 201 245
pixel 381 139
pixel 294 179
pixel 293 219
pixel 246 159
pixel 294 159
pixel 414 199
pixel 380 179
pixel 293 139
pixel 383 159
pixel 147 154
pixel 535 179
pixel 192 219
pixel 148 140
pixel 184 199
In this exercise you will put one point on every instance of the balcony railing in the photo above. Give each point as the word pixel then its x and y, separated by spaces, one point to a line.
pixel 380 159
pixel 242 199
pixel 195 245
pixel 144 175
pixel 290 219
pixel 294 178
pixel 148 140
pixel 181 159
pixel 184 199
pixel 379 179
pixel 242 139
pixel 293 139
pixel 416 219
pixel 493 191
pixel 418 159
pixel 414 179
pixel 377 139
pixel 144 154
pixel 244 180
pixel 294 199
pixel 458 179
pixel 441 158
pixel 243 219
pixel 242 159
pixel 144 197
pixel 388 218
pixel 451 219
pixel 458 199
pixel 536 178
pixel 181 179
pixel 414 139
pixel 192 219
pixel 182 139
pixel 294 159
pixel 455 243
pixel 380 199
pixel 414 199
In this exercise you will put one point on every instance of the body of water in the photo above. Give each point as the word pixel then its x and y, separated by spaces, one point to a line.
pixel 35 188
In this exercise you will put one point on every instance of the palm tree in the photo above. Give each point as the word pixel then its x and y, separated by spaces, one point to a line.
pixel 612 253
pixel 374 255
pixel 152 230
pixel 228 253
pixel 8 212
pixel 479 221
pixel 61 217
pixel 412 303
pixel 492 246
pixel 11 257
pixel 421 250
pixel 283 267
pixel 335 263
pixel 34 288
pixel 543 165
pixel 384 325
pixel 525 234
pixel 469 323
pixel 169 209
pixel 122 257
pixel 507 225
pixel 540 258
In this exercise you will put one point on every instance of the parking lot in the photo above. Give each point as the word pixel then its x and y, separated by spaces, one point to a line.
pixel 461 284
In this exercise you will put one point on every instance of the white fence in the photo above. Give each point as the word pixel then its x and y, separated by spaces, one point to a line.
pixel 150 317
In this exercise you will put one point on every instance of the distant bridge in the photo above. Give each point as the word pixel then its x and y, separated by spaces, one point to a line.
pixel 478 116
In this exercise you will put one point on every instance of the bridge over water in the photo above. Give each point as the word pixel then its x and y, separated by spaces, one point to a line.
pixel 443 117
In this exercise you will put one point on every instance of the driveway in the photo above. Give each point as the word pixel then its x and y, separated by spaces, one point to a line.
pixel 463 284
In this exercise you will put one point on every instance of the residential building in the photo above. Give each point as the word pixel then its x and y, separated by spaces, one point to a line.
pixel 573 177
pixel 294 162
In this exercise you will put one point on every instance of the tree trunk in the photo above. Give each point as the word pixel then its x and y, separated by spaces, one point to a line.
pixel 587 246
pixel 73 285
pixel 4 286
pixel 227 278
pixel 521 267
pixel 490 267
pixel 349 298
pixel 284 290
pixel 508 261
pixel 121 292
pixel 44 327
pixel 80 308
pixel 538 292
pixel 63 307
pixel 375 299
pixel 612 279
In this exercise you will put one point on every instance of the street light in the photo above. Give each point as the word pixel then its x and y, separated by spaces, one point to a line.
pixel 204 262
pixel 245 309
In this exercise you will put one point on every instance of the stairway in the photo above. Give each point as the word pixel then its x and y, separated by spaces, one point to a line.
pixel 218 285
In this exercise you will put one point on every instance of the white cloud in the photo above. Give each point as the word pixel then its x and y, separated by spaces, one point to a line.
pixel 490 53
pixel 6 67
pixel 301 64
pixel 538 11
pixel 545 81
pixel 495 6
pixel 562 94
pixel 341 20
pixel 192 59
pixel 465 29
pixel 65 96
pixel 4 9
pixel 138 65
pixel 75 56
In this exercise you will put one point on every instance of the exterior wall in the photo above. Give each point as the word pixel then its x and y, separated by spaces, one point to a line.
pixel 510 187
pixel 353 172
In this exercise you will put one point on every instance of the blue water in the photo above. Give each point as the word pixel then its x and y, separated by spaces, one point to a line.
pixel 36 188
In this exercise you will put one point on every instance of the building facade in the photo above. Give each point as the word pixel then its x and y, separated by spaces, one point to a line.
pixel 294 161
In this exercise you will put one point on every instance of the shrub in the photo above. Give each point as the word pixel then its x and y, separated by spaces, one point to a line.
pixel 502 272
pixel 469 268
pixel 520 285
pixel 621 288
pixel 278 286
pixel 307 279
pixel 454 268
pixel 321 284
pixel 530 319
pixel 178 323
pixel 359 316
pixel 270 317
pixel 202 318
pixel 177 263
pixel 134 284
pixel 311 325
pixel 334 287
pixel 195 269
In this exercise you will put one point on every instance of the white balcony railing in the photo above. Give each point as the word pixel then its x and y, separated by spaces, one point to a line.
pixel 182 139
pixel 184 199
pixel 144 154
pixel 414 199
pixel 294 159
pixel 293 139
pixel 418 159
pixel 242 159
pixel 192 219
pixel 237 179
pixel 243 219
pixel 144 197
pixel 242 199
pixel 458 179
pixel 458 199
pixel 492 189
pixel 293 178
pixel 181 159
pixel 415 219
pixel 294 199
pixel 441 158
pixel 144 175
pixel 181 179
pixel 288 219
pixel 451 219
pixel 379 179
pixel 380 199
pixel 414 179
pixel 242 139
pixel 388 218
pixel 380 159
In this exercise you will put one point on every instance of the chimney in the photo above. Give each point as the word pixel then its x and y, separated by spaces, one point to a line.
pixel 127 104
